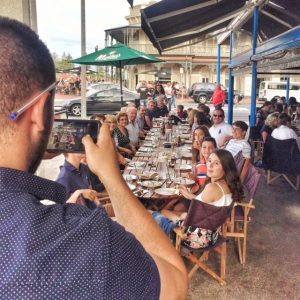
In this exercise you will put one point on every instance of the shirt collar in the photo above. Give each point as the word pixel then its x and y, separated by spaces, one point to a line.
pixel 69 166
pixel 28 183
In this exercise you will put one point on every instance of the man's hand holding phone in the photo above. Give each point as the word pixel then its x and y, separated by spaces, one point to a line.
pixel 101 157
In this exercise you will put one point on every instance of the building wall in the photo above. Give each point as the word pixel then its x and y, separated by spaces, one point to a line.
pixel 21 10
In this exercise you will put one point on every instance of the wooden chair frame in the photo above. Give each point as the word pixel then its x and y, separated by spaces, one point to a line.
pixel 203 255
pixel 295 185
pixel 238 228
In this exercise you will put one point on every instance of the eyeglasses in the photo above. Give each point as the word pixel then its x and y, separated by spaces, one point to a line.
pixel 31 102
pixel 218 116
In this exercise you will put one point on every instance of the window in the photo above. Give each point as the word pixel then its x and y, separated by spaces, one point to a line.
pixel 276 86
pixel 136 35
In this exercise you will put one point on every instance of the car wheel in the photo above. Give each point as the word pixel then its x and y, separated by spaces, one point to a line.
pixel 76 109
pixel 202 99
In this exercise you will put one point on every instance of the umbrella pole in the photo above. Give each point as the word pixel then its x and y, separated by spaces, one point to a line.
pixel 121 87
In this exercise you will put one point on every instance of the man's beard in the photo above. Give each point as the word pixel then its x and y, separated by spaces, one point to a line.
pixel 39 148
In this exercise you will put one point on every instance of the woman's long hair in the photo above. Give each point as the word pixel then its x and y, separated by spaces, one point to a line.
pixel 231 175
pixel 202 119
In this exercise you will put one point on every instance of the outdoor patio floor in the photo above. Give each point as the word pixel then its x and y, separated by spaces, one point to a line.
pixel 272 269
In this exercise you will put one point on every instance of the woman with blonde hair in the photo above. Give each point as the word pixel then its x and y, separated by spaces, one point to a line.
pixel 121 135
pixel 111 120
pixel 270 124
pixel 191 116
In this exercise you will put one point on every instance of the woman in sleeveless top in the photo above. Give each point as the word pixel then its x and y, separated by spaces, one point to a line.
pixel 121 135
pixel 223 187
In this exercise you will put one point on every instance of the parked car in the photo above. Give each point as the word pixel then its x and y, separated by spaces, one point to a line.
pixel 106 102
pixel 100 86
pixel 201 92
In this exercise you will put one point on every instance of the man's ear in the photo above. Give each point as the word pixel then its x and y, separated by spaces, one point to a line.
pixel 38 112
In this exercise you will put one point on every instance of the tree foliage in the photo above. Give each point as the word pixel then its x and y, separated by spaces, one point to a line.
pixel 63 62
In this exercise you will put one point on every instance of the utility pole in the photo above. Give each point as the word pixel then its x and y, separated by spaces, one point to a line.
pixel 83 67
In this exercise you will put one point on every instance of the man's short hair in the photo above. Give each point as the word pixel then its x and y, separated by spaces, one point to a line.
pixel 241 124
pixel 221 109
pixel 130 109
pixel 284 119
pixel 26 66
pixel 181 107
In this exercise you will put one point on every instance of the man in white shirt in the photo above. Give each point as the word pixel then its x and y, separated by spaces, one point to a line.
pixel 220 131
pixel 239 144
pixel 133 127
pixel 284 132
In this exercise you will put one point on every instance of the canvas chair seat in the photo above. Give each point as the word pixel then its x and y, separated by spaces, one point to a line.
pixel 204 215
pixel 283 157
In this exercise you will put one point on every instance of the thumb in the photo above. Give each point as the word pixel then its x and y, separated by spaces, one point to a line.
pixel 87 141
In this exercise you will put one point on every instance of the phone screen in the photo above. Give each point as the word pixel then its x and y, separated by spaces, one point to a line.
pixel 66 135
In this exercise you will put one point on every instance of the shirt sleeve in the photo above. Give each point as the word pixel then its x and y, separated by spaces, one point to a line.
pixel 246 150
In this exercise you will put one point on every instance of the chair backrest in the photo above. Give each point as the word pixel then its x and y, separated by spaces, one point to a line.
pixel 282 156
pixel 207 216
pixel 252 178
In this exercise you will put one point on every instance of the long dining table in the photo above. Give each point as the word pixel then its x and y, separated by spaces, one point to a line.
pixel 160 165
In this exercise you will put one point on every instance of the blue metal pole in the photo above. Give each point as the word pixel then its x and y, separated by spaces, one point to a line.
pixel 287 90
pixel 254 70
pixel 231 83
pixel 219 63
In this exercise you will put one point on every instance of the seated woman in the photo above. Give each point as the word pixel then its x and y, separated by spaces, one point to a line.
pixel 270 123
pixel 200 119
pixel 200 133
pixel 122 137
pixel 111 120
pixel 208 146
pixel 223 188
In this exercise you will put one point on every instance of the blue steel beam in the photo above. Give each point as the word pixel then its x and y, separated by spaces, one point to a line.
pixel 219 63
pixel 282 42
pixel 254 69
pixel 288 90
pixel 231 83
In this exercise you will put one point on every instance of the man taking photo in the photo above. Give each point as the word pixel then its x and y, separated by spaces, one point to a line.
pixel 67 251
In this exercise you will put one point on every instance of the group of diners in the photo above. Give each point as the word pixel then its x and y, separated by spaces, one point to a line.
pixel 277 119
pixel 215 144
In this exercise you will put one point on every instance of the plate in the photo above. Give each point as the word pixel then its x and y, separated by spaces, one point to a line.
pixel 148 145
pixel 188 141
pixel 149 175
pixel 184 181
pixel 137 164
pixel 145 149
pixel 186 154
pixel 186 149
pixel 184 167
pixel 131 186
pixel 151 183
pixel 129 177
pixel 167 191
pixel 185 136
pixel 141 154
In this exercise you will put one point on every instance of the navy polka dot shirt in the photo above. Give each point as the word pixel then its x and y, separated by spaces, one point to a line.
pixel 66 251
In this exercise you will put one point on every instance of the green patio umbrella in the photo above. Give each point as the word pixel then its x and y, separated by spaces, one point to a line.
pixel 118 55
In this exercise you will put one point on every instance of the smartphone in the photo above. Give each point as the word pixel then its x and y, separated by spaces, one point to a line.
pixel 67 134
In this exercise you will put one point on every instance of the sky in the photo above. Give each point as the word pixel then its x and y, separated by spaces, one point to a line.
pixel 59 23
